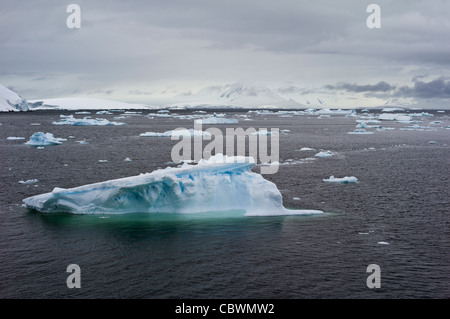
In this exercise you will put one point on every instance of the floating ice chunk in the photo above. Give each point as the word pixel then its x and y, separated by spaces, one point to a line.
pixel 186 133
pixel 344 180
pixel 42 139
pixel 392 109
pixel 220 183
pixel 30 181
pixel 324 154
pixel 15 138
pixel 216 120
pixel 104 112
pixel 394 117
pixel 360 131
pixel 383 243
pixel 83 112
pixel 127 159
pixel 432 142
pixel 83 142
pixel 424 114
pixel 304 149
pixel 70 120
pixel 296 198
pixel 263 132
pixel 35 124
pixel 382 129
pixel 103 161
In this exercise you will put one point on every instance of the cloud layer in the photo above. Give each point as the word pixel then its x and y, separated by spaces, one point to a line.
pixel 152 51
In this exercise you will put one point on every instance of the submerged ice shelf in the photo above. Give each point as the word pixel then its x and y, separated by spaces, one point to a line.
pixel 219 184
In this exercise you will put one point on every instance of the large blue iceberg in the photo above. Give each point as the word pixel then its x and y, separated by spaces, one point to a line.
pixel 219 184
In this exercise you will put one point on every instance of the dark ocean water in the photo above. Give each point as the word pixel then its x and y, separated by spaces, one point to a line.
pixel 402 198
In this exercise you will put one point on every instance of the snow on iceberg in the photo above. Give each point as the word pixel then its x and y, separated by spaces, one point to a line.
pixel 70 120
pixel 41 139
pixel 185 133
pixel 219 184
pixel 344 180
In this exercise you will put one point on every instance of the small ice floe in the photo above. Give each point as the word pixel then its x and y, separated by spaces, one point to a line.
pixel 323 154
pixel 104 112
pixel 216 120
pixel 360 131
pixel 40 147
pixel 127 159
pixel 344 180
pixel 264 132
pixel 41 139
pixel 70 120
pixel 30 181
pixel 394 117
pixel 432 142
pixel 382 129
pixel 71 136
pixel 14 138
pixel 82 142
pixel 436 123
pixel 83 112
pixel 185 133
pixel 304 149
pixel 35 124
pixel 362 233
pixel 103 161
pixel 383 243
pixel 296 198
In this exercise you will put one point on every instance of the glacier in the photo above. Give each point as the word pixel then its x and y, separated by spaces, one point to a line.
pixel 218 184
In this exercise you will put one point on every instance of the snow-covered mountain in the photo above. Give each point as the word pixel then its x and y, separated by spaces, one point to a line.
pixel 83 104
pixel 11 101
pixel 237 95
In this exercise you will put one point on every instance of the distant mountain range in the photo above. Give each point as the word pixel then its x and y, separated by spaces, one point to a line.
pixel 236 95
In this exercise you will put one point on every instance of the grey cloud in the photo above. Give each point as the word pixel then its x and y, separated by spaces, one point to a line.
pixel 381 86
pixel 438 88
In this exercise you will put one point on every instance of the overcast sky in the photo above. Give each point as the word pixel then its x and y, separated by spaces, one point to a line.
pixel 157 51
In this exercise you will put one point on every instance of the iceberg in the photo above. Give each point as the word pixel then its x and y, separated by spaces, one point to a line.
pixel 15 138
pixel 304 149
pixel 70 120
pixel 42 139
pixel 264 132
pixel 29 181
pixel 216 120
pixel 218 184
pixel 360 131
pixel 344 180
pixel 185 133
pixel 324 154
